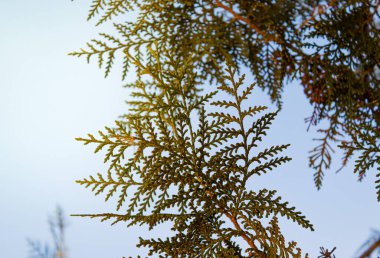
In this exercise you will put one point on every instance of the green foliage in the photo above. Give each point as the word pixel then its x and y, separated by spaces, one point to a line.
pixel 320 158
pixel 342 81
pixel 174 160
pixel 193 169
pixel 331 47
pixel 366 144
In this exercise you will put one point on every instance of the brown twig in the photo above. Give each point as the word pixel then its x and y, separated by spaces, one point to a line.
pixel 237 16
pixel 231 218
pixel 267 37
pixel 243 234
pixel 370 250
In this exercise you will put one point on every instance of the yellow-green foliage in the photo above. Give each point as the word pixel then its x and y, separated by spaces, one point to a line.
pixel 171 159
pixel 330 47
pixel 193 168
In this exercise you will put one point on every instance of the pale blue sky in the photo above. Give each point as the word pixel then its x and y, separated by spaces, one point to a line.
pixel 48 98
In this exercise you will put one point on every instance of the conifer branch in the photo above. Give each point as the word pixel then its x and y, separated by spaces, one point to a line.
pixel 277 40
pixel 196 160
pixel 267 38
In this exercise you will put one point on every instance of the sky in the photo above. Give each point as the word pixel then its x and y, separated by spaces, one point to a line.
pixel 48 98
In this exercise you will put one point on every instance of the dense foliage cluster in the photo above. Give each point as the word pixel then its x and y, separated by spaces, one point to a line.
pixel 173 160
pixel 194 168
pixel 330 47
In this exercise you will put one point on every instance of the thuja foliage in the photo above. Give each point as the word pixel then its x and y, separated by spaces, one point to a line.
pixel 330 47
pixel 172 161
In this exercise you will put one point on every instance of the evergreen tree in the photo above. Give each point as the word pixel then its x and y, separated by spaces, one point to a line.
pixel 331 47
pixel 192 168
